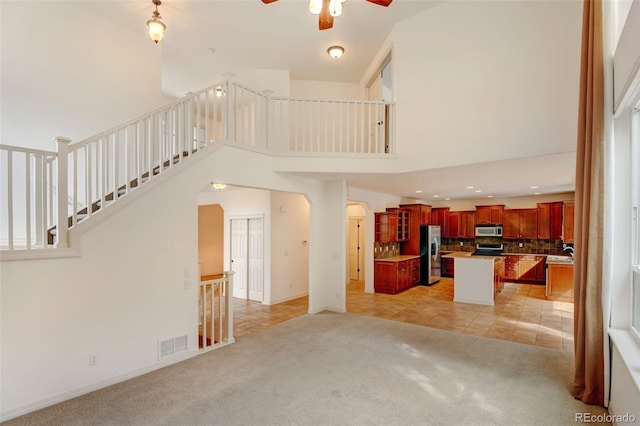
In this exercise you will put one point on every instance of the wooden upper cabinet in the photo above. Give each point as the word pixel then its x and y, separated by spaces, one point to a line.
pixel 398 224
pixel 491 215
pixel 550 220
pixel 454 228
pixel 520 223
pixel 461 224
pixel 381 223
pixel 568 221
pixel 419 214
pixel 468 224
pixel 439 217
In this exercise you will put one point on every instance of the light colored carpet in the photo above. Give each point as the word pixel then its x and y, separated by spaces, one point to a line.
pixel 342 369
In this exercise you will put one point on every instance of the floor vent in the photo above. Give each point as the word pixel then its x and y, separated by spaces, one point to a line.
pixel 170 347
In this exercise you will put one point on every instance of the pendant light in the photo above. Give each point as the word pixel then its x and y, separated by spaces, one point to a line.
pixel 335 7
pixel 155 24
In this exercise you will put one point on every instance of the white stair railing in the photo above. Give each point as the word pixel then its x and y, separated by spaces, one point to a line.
pixel 215 327
pixel 41 190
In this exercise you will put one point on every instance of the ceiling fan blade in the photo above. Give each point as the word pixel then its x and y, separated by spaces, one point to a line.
pixel 384 3
pixel 325 20
pixel 268 1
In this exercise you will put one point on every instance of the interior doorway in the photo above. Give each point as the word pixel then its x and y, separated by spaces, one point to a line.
pixel 356 248
pixel 247 258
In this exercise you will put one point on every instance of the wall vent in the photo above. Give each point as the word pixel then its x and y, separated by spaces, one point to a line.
pixel 170 347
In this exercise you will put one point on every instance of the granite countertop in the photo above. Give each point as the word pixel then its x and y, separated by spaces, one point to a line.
pixel 525 254
pixel 457 254
pixel 559 260
pixel 399 258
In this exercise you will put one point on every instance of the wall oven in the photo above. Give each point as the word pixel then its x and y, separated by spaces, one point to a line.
pixel 488 230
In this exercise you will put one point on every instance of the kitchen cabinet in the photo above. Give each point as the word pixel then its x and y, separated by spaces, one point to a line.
pixel 394 276
pixel 520 223
pixel 559 282
pixel 381 224
pixel 447 265
pixel 398 224
pixel 419 214
pixel 567 221
pixel 498 275
pixel 521 267
pixel 461 224
pixel 439 217
pixel 550 220
pixel 489 215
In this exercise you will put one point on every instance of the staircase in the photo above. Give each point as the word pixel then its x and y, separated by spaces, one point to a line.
pixel 48 193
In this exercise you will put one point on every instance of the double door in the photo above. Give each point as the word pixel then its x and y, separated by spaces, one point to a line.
pixel 247 258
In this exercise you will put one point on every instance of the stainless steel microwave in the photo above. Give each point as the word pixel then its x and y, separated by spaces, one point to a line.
pixel 489 231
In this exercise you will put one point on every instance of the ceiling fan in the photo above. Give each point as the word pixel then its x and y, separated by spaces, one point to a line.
pixel 330 8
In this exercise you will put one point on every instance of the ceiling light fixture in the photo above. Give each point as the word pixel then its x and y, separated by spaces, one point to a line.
pixel 219 92
pixel 218 186
pixel 155 24
pixel 335 51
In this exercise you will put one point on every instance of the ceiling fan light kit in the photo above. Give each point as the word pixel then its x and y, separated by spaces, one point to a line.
pixel 155 24
pixel 328 9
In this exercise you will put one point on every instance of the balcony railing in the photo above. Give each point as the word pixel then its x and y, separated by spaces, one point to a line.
pixel 43 194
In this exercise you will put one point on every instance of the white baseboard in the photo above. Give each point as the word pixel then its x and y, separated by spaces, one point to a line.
pixel 286 299
pixel 65 396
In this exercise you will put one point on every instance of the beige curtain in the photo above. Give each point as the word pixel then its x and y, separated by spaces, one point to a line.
pixel 588 322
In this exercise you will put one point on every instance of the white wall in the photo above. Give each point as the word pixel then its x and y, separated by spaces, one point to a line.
pixel 66 72
pixel 311 89
pixel 289 246
pixel 126 292
pixel 497 78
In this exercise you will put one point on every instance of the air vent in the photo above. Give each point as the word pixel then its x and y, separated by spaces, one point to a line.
pixel 170 347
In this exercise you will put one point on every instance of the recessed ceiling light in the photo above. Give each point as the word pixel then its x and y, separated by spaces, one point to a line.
pixel 478 190
pixel 489 196
pixel 436 196
pixel 534 187
pixel 470 187
pixel 447 199
pixel 418 192
pixel 537 193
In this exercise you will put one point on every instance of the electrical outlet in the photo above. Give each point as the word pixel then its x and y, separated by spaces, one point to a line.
pixel 93 359
pixel 461 243
pixel 520 245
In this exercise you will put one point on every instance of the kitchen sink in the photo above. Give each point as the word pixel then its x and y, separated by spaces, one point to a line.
pixel 560 259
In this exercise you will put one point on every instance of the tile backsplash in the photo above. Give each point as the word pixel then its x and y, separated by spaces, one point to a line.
pixel 510 246
pixel 385 250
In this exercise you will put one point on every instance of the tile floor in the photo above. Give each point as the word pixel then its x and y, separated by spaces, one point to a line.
pixel 521 313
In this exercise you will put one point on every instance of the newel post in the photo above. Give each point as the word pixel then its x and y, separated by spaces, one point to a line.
pixel 62 226
pixel 228 304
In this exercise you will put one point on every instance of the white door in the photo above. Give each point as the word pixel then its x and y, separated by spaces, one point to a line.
pixel 239 257
pixel 356 237
pixel 255 281
pixel 247 258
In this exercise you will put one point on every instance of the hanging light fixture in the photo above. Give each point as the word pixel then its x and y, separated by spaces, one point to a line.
pixel 315 6
pixel 335 51
pixel 335 7
pixel 155 24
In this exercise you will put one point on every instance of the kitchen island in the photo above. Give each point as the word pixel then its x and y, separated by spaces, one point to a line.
pixel 395 274
pixel 478 279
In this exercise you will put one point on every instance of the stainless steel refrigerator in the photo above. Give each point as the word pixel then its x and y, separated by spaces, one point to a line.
pixel 429 254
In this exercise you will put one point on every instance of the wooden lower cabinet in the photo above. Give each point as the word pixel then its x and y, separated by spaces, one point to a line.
pixel 528 268
pixel 391 277
pixel 498 276
pixel 447 267
pixel 559 282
